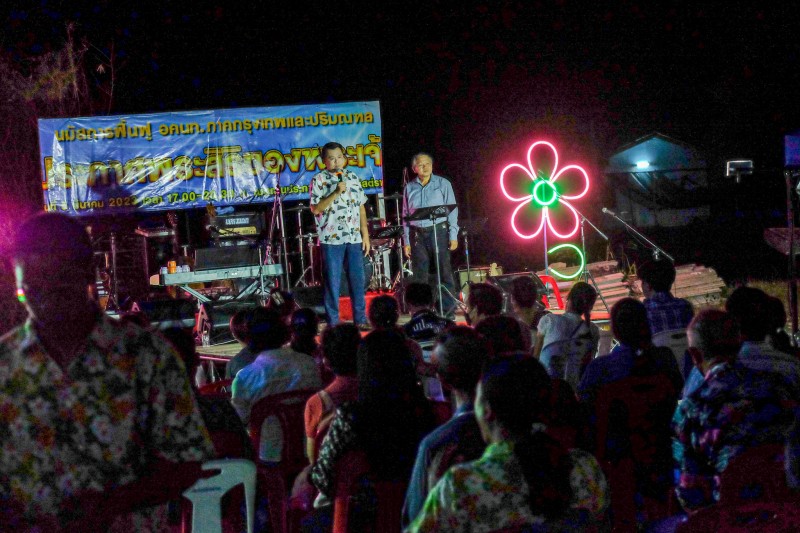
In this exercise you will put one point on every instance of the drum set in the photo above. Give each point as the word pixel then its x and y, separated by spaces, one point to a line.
pixel 385 241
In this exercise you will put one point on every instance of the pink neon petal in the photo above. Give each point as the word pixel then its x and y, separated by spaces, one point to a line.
pixel 514 225
pixel 585 179
pixel 530 163
pixel 503 177
pixel 552 227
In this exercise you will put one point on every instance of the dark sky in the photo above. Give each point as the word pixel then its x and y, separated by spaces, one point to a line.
pixel 472 82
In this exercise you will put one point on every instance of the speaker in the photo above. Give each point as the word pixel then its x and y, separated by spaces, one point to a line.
pixel 504 282
pixel 213 320
pixel 311 297
pixel 477 274
pixel 167 313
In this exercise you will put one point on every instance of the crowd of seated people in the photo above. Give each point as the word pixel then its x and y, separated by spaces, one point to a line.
pixel 527 445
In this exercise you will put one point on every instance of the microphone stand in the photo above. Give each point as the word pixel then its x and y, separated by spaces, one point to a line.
pixel 653 246
pixel 587 274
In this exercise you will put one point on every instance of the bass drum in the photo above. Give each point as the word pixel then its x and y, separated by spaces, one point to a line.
pixel 344 287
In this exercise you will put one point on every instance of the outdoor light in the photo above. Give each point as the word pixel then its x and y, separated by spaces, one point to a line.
pixel 642 164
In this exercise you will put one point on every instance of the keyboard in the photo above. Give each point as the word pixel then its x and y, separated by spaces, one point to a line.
pixel 203 276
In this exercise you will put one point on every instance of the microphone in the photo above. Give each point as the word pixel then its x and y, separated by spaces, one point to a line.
pixel 339 174
pixel 609 212
pixel 212 227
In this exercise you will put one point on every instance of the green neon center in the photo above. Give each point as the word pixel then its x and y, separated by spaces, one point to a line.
pixel 540 193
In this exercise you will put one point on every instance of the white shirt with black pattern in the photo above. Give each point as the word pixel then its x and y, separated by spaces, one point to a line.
pixel 341 222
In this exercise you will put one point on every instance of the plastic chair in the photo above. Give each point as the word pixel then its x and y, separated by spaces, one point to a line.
pixel 567 359
pixel 350 470
pixel 677 341
pixel 634 444
pixel 288 408
pixel 206 494
pixel 550 280
pixel 749 518
pixel 755 474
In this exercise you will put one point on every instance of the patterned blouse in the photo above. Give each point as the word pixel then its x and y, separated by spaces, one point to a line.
pixel 341 222
pixel 123 403
pixel 491 494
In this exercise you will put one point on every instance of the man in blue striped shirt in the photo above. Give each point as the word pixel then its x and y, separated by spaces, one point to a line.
pixel 428 190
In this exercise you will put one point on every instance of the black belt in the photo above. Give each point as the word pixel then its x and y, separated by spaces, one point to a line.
pixel 428 229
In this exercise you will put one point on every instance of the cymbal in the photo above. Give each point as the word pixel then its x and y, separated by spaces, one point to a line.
pixel 294 209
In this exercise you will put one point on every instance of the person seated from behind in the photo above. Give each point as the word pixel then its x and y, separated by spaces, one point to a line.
pixel 664 311
pixel 750 307
pixel 504 334
pixel 459 354
pixel 339 350
pixel 483 300
pixel 217 412
pixel 239 325
pixel 304 325
pixel 425 325
pixel 383 314
pixel 733 409
pixel 387 422
pixel 525 304
pixel 634 355
pixel 523 477
pixel 276 369
pixel 566 343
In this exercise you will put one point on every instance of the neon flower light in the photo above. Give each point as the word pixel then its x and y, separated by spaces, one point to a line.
pixel 547 194
pixel 21 296
pixel 580 257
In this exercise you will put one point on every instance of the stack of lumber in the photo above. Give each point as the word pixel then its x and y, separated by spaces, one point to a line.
pixel 698 284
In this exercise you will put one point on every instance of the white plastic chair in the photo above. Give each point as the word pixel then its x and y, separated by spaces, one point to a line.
pixel 675 340
pixel 206 495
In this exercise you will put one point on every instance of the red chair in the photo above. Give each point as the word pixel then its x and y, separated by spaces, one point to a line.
pixel 350 470
pixel 634 444
pixel 755 474
pixel 748 518
pixel 221 387
pixel 288 409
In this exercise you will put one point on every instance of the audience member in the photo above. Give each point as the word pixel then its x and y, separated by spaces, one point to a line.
pixel 100 424
pixel 240 324
pixel 526 305
pixel 664 311
pixel 387 422
pixel 504 334
pixel 339 352
pixel 218 414
pixel 459 355
pixel 523 477
pixel 733 409
pixel 483 300
pixel 276 369
pixel 778 337
pixel 634 355
pixel 384 312
pixel 749 306
pixel 566 343
pixel 304 324
pixel 425 325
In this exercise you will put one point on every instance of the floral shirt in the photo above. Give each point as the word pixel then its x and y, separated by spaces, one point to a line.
pixel 491 494
pixel 95 425
pixel 341 222
pixel 735 408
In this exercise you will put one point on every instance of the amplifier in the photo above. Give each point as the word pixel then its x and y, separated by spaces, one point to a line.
pixel 237 225
pixel 225 257
pixel 477 274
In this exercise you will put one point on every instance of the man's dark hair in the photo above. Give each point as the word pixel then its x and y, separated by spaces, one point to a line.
pixel 266 330
pixel 524 291
pixel 629 323
pixel 462 353
pixel 503 333
pixel 750 306
pixel 340 348
pixel 183 342
pixel 238 325
pixel 59 237
pixel 331 146
pixel 659 274
pixel 717 333
pixel 419 294
pixel 384 311
pixel 486 299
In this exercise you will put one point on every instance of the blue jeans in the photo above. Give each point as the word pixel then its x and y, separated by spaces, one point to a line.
pixel 335 257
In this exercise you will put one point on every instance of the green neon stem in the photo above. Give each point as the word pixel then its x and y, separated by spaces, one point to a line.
pixel 580 256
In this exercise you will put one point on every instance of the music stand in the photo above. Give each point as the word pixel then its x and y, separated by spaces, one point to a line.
pixel 432 213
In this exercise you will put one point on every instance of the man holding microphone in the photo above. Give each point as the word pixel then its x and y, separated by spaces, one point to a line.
pixel 337 202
